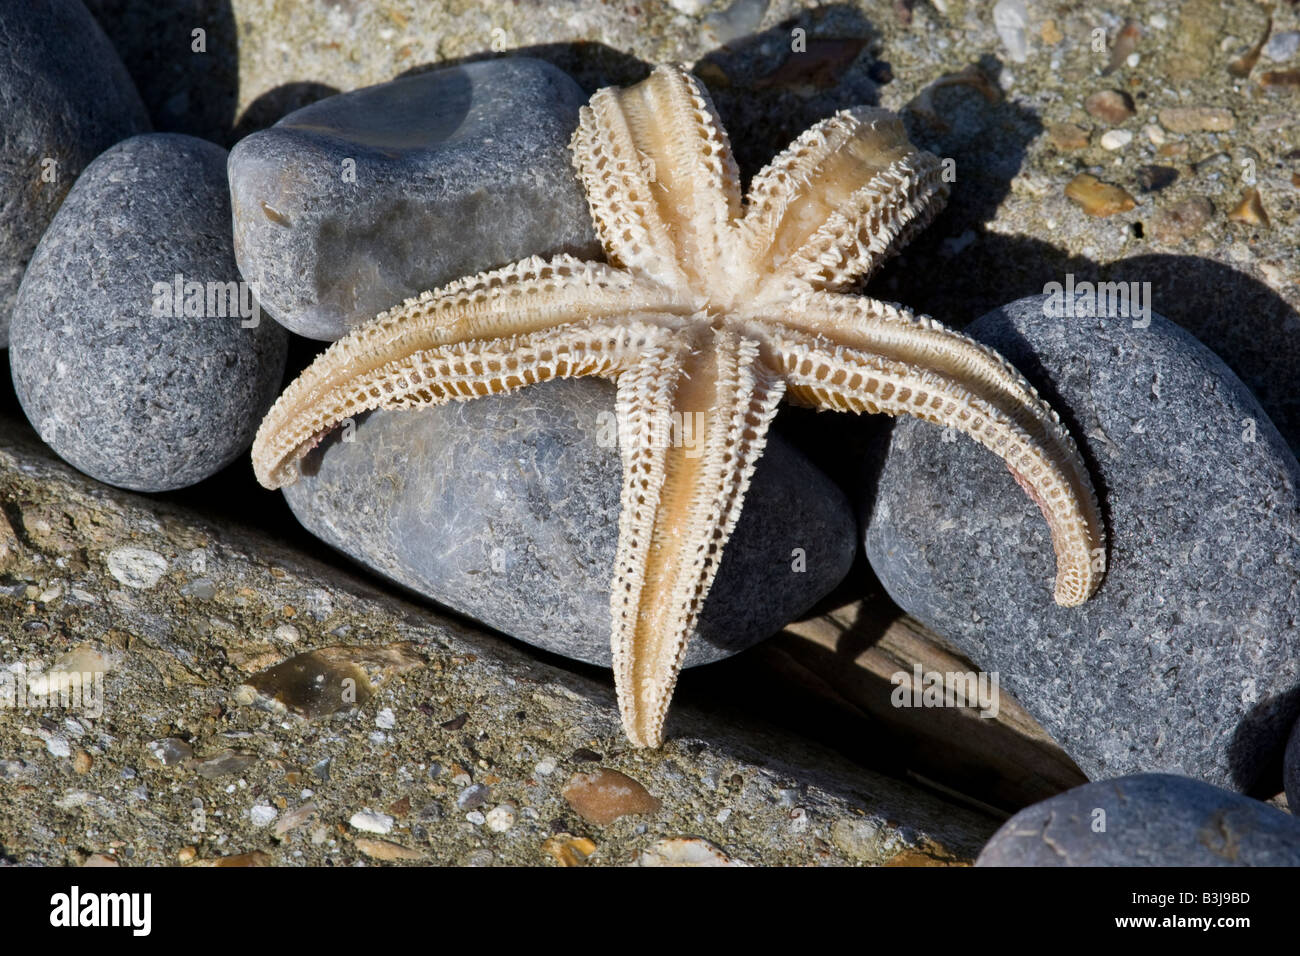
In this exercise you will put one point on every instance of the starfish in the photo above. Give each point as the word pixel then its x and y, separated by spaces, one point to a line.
pixel 707 305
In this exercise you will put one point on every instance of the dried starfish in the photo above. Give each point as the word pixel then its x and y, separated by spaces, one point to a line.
pixel 707 305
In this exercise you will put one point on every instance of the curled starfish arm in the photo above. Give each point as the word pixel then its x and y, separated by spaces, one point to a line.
pixel 838 201
pixel 660 178
pixel 682 495
pixel 483 335
pixel 926 383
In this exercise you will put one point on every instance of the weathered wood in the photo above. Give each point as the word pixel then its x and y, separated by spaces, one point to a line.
pixel 849 655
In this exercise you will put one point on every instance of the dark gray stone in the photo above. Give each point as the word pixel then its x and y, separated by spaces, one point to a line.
pixel 141 400
pixel 456 171
pixel 1146 819
pixel 1291 770
pixel 506 509
pixel 64 97
pixel 1187 660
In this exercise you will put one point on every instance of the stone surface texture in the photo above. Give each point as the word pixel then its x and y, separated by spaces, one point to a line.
pixel 354 203
pixel 506 509
pixel 1146 819
pixel 65 98
pixel 1187 659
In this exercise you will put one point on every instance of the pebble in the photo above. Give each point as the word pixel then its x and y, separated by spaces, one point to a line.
pixel 504 509
pixel 500 819
pixel 1110 106
pixel 1011 20
pixel 475 817
pixel 1184 658
pixel 1182 220
pixel 1155 178
pixel 1097 198
pixel 223 763
pixel 384 850
pixel 685 851
pixel 386 719
pixel 1282 46
pixel 569 850
pixel 1196 119
pixel 354 203
pixel 170 751
pixel 602 797
pixel 144 401
pixel 545 768
pixel 65 97
pixel 368 821
pixel 1116 139
pixel 262 815
pixel 1249 210
pixel 473 796
pixel 1146 819
pixel 1067 136
pixel 136 568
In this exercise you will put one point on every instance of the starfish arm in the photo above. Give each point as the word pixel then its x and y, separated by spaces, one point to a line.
pixel 957 384
pixel 681 500
pixel 842 198
pixel 660 179
pixel 486 334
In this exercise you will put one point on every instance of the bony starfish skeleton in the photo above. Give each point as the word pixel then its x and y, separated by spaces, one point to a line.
pixel 707 305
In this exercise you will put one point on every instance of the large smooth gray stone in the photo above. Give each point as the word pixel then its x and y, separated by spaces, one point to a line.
pixel 143 401
pixel 506 509
pixel 456 171
pixel 1149 819
pixel 1187 660
pixel 64 98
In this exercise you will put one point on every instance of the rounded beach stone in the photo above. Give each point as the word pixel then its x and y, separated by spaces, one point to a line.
pixel 354 203
pixel 506 509
pixel 65 97
pixel 1146 819
pixel 136 354
pixel 1187 659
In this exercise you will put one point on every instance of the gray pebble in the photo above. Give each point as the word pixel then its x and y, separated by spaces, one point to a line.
pixel 113 380
pixel 506 509
pixel 473 796
pixel 1187 659
pixel 1146 819
pixel 354 203
pixel 1282 46
pixel 64 97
